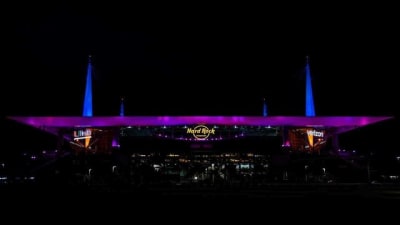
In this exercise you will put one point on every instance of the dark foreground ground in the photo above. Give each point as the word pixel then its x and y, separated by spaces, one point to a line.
pixel 311 203
pixel 333 191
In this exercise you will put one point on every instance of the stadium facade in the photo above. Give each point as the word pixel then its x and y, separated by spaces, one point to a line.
pixel 88 133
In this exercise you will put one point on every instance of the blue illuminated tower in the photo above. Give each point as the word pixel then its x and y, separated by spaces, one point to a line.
pixel 121 108
pixel 88 103
pixel 310 111
pixel 265 112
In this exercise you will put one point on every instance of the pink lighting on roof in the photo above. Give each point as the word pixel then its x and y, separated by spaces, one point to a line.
pixel 115 121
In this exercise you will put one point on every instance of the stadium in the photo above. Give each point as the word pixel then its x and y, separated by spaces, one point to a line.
pixel 165 150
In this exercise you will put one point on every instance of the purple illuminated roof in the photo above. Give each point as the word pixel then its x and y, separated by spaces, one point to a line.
pixel 296 121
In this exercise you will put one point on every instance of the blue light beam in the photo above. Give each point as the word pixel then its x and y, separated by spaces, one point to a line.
pixel 310 110
pixel 88 103
pixel 121 109
pixel 265 112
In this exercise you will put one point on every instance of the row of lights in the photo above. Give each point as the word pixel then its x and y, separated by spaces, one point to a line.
pixel 195 139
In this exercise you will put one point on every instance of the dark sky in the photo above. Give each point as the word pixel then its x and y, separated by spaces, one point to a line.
pixel 199 60
pixel 203 60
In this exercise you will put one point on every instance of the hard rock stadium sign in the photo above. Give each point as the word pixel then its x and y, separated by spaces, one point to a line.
pixel 200 132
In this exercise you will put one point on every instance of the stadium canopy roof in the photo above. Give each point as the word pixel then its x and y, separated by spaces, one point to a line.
pixel 120 121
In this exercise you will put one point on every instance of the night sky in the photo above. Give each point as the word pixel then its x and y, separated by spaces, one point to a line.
pixel 199 60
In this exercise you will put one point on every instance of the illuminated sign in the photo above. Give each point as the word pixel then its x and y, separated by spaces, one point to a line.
pixel 315 133
pixel 306 139
pixel 200 132
pixel 82 134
